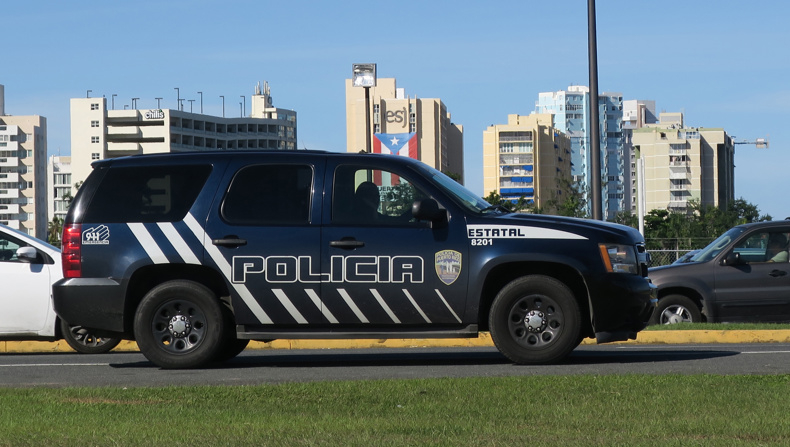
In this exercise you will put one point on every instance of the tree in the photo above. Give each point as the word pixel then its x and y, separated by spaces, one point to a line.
pixel 54 230
pixel 571 201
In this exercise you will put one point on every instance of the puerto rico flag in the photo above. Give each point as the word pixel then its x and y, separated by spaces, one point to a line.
pixel 403 144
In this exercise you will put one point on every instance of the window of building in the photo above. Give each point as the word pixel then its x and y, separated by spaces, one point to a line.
pixel 95 106
pixel 94 123
pixel 95 156
pixel 94 139
pixel 272 194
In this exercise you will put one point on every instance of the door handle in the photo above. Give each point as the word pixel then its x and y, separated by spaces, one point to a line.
pixel 347 243
pixel 229 241
pixel 777 273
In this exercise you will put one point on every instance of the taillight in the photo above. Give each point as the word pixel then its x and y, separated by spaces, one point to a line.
pixel 70 251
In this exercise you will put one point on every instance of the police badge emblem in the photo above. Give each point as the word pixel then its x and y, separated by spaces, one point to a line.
pixel 448 265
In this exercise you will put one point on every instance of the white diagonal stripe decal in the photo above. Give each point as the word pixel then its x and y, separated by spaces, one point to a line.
pixel 447 304
pixel 149 245
pixel 416 306
pixel 352 305
pixel 384 305
pixel 289 306
pixel 224 267
pixel 178 243
pixel 319 304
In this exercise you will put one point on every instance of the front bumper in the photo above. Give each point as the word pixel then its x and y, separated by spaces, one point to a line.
pixel 621 306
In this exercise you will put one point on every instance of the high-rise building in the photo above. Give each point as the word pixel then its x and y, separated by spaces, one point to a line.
pixel 419 128
pixel 23 182
pixel 572 116
pixel 529 158
pixel 637 113
pixel 98 133
pixel 684 163
pixel 60 190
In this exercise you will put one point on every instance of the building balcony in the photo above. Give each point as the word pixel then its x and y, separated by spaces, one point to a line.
pixel 9 193
pixel 6 177
pixel 676 204
pixel 9 208
pixel 123 147
pixel 125 131
pixel 9 161
pixel 679 174
pixel 676 187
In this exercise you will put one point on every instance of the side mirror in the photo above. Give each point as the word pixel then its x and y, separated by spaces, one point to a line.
pixel 27 254
pixel 428 209
pixel 732 258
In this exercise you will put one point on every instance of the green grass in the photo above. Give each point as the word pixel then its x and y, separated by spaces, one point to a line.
pixel 718 327
pixel 626 410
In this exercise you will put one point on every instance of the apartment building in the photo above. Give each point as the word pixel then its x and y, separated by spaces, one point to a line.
pixel 419 128
pixel 98 132
pixel 23 183
pixel 61 189
pixel 685 163
pixel 571 108
pixel 527 157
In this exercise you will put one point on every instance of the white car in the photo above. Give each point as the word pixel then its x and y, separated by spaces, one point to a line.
pixel 28 268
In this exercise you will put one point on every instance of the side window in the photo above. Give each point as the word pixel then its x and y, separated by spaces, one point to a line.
pixel 8 248
pixel 766 246
pixel 146 194
pixel 276 194
pixel 372 196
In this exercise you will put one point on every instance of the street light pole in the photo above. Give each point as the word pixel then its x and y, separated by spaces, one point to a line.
pixel 223 105
pixel 190 104
pixel 364 75
pixel 113 100
pixel 244 110
pixel 201 102
pixel 178 94
pixel 158 102
pixel 134 103
pixel 595 138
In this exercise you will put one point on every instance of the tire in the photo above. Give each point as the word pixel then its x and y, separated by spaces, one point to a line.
pixel 535 320
pixel 180 324
pixel 673 309
pixel 83 341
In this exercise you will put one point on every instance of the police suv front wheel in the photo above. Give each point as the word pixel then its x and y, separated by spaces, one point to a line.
pixel 535 320
pixel 180 324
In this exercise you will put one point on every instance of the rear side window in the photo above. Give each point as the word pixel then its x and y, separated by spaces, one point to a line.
pixel 147 194
pixel 276 194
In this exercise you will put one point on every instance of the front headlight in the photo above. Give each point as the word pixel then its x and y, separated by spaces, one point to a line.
pixel 619 258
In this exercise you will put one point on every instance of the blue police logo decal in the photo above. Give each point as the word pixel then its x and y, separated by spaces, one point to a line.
pixel 448 265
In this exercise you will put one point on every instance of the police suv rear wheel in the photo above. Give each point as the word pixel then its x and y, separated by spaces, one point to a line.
pixel 535 320
pixel 180 324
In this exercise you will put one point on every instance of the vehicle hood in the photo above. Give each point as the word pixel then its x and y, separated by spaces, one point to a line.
pixel 587 228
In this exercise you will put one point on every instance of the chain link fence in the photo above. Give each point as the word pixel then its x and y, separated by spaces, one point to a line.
pixel 667 251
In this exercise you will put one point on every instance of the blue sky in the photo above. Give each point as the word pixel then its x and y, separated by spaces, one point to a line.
pixel 723 63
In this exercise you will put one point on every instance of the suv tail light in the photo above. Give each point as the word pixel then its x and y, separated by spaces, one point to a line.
pixel 70 251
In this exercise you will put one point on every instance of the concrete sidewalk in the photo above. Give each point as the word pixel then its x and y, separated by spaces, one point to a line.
pixel 644 337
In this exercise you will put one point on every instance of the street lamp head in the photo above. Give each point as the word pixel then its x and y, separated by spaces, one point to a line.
pixel 363 75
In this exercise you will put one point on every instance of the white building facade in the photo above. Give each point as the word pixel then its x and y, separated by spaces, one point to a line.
pixel 23 183
pixel 61 190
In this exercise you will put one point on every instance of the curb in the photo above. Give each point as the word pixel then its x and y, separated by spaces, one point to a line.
pixel 483 340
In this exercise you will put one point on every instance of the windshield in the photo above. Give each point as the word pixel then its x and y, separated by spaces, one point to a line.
pixel 458 192
pixel 715 247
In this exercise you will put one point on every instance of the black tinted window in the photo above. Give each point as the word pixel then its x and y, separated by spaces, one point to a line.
pixel 147 194
pixel 269 195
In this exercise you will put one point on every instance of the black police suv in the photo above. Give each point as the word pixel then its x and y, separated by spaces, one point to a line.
pixel 194 254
